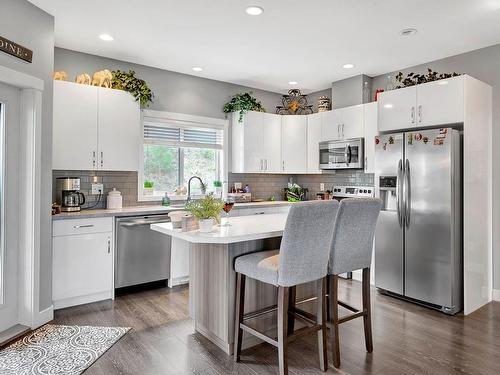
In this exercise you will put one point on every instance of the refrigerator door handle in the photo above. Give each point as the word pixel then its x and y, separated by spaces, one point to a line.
pixel 398 192
pixel 408 193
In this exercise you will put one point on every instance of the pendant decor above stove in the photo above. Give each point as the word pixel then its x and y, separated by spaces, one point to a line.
pixel 295 103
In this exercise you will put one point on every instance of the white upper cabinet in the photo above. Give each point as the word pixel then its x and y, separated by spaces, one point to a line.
pixel 429 104
pixel 313 139
pixel 247 145
pixel 74 127
pixel 397 109
pixel 95 128
pixel 331 122
pixel 351 122
pixel 294 143
pixel 272 143
pixel 119 131
pixel 370 132
pixel 440 102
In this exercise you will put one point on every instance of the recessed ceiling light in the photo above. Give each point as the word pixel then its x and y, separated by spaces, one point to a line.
pixel 293 83
pixel 348 66
pixel 106 37
pixel 254 10
pixel 408 32
pixel 197 68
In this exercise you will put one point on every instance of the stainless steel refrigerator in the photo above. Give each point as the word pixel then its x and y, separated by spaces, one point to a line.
pixel 418 242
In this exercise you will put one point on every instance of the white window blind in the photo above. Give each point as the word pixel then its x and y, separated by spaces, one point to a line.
pixel 182 134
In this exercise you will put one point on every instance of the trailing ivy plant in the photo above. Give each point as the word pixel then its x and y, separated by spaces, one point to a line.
pixel 412 79
pixel 139 89
pixel 243 103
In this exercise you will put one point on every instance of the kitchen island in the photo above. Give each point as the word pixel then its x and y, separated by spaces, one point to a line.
pixel 212 277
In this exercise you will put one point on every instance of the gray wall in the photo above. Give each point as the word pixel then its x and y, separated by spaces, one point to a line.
pixel 174 92
pixel 22 22
pixel 483 64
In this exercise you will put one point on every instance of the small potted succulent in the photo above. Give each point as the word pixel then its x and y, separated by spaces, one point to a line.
pixel 206 210
pixel 148 187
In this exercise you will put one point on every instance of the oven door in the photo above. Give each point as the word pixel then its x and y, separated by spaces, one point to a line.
pixel 346 154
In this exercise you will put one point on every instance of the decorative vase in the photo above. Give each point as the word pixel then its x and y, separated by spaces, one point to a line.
pixel 206 225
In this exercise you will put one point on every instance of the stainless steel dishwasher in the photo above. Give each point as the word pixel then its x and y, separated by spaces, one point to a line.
pixel 142 255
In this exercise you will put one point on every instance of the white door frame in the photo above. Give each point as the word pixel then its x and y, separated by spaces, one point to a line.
pixel 30 116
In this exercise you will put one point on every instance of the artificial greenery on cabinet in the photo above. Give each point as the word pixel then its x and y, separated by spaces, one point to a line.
pixel 413 79
pixel 243 103
pixel 139 89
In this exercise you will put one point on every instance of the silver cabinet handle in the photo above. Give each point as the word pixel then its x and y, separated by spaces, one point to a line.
pixel 109 245
pixel 265 161
pixel 259 213
pixel 343 131
pixel 261 165
pixel 338 131
pixel 93 159
pixel 407 193
pixel 413 115
pixel 366 163
pixel 283 165
pixel 420 114
pixel 83 226
pixel 102 159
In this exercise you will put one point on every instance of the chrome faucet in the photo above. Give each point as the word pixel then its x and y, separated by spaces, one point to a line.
pixel 203 187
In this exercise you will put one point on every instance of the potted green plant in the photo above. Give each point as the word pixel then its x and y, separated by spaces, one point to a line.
pixel 243 103
pixel 139 89
pixel 206 210
pixel 148 187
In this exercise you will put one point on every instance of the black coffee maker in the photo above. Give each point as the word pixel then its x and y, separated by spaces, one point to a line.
pixel 68 194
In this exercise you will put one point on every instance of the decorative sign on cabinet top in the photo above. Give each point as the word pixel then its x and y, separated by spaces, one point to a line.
pixel 16 50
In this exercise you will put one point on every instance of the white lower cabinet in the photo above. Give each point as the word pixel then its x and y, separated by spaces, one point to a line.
pixel 82 265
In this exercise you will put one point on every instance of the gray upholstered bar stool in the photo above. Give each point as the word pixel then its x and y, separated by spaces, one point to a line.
pixel 302 258
pixel 351 250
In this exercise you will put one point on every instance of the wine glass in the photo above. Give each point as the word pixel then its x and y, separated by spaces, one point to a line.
pixel 228 206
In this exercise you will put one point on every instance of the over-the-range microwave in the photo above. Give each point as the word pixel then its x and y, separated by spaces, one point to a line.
pixel 344 154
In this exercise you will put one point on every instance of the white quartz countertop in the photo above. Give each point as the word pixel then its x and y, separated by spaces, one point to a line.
pixel 151 210
pixel 243 228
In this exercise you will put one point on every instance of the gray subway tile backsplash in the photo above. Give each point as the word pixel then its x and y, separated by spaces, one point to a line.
pixel 263 186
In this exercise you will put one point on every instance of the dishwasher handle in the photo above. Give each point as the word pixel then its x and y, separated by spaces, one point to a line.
pixel 138 223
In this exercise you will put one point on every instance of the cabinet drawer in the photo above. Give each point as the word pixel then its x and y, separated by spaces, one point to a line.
pixel 82 226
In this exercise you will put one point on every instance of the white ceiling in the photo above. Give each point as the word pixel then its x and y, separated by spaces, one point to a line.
pixel 304 41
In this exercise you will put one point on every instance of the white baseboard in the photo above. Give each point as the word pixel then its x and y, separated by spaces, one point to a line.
pixel 178 281
pixel 496 295
pixel 81 300
pixel 43 317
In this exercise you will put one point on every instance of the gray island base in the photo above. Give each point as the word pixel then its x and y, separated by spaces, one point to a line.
pixel 212 280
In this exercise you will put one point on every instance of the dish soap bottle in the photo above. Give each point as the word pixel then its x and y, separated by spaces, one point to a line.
pixel 165 200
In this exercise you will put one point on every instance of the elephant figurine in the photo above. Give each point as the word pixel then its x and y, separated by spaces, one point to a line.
pixel 83 79
pixel 102 78
pixel 60 76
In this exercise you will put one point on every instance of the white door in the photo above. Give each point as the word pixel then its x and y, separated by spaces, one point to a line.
pixel 313 139
pixel 272 142
pixel 352 122
pixel 440 102
pixel 294 135
pixel 74 126
pixel 370 123
pixel 397 109
pixel 9 205
pixel 331 122
pixel 119 131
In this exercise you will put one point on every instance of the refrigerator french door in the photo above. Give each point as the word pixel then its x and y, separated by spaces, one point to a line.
pixel 418 246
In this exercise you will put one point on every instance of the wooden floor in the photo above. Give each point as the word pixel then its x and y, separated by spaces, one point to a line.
pixel 408 339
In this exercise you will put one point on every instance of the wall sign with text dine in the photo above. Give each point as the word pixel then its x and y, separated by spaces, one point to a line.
pixel 16 50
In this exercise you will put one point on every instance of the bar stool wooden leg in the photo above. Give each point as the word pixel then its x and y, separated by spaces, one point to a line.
pixel 283 298
pixel 334 312
pixel 240 309
pixel 367 318
pixel 321 320
pixel 291 307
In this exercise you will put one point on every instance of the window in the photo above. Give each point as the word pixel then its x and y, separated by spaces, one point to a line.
pixel 174 149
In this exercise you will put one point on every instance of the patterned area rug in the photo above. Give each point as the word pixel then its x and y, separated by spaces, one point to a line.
pixel 58 350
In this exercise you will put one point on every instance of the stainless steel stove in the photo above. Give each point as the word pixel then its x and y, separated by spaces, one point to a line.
pixel 340 192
